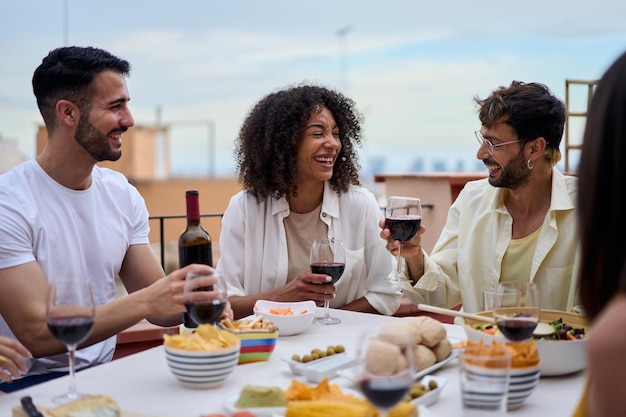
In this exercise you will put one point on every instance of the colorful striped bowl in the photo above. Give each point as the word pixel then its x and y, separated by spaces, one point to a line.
pixel 256 346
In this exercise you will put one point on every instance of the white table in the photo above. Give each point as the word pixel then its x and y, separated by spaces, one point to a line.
pixel 142 383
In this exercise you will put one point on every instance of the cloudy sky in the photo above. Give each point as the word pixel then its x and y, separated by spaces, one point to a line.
pixel 412 66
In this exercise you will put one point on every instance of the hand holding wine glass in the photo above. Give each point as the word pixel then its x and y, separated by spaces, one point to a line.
pixel 403 217
pixel 205 298
pixel 328 257
pixel 70 316
pixel 516 309
pixel 385 372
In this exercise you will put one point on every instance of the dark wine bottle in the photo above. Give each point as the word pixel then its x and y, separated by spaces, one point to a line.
pixel 194 244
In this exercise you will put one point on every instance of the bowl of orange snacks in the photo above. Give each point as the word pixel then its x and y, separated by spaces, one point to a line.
pixel 203 359
pixel 290 318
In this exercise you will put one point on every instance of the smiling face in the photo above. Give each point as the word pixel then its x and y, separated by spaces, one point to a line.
pixel 507 167
pixel 106 118
pixel 318 148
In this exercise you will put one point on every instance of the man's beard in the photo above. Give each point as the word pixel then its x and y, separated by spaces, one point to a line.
pixel 514 175
pixel 94 142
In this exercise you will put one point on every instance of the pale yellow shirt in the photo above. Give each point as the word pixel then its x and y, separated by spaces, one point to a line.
pixel 467 257
pixel 518 258
pixel 301 230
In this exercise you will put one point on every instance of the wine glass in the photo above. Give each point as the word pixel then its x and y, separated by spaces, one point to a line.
pixel 403 217
pixel 386 371
pixel 516 309
pixel 70 315
pixel 205 301
pixel 328 257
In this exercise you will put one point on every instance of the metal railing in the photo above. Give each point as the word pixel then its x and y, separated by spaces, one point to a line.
pixel 161 220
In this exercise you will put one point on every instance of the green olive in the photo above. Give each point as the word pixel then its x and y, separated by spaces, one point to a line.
pixel 295 358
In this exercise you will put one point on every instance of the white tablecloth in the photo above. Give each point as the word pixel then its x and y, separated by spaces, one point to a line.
pixel 142 383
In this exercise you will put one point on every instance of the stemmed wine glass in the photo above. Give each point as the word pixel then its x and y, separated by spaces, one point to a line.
pixel 386 371
pixel 328 257
pixel 403 217
pixel 516 309
pixel 70 315
pixel 205 301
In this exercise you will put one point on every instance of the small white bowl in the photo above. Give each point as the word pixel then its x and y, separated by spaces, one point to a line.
pixel 288 325
pixel 323 368
pixel 202 369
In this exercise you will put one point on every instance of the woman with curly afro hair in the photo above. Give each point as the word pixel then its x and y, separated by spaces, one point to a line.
pixel 298 165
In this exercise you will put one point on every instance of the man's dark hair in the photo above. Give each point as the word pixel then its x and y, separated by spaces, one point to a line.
pixel 530 109
pixel 67 73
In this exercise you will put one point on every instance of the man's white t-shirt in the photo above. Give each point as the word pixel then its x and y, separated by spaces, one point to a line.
pixel 85 233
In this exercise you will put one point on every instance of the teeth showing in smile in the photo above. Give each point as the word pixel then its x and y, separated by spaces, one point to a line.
pixel 117 136
pixel 324 160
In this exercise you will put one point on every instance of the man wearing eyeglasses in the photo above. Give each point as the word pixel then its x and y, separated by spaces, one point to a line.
pixel 518 224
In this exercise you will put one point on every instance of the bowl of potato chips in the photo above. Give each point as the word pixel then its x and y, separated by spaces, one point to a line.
pixel 202 359
pixel 562 353
pixel 257 336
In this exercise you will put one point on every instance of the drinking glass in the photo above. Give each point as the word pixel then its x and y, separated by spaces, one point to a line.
pixel 328 257
pixel 385 372
pixel 516 309
pixel 205 301
pixel 484 381
pixel 70 315
pixel 403 217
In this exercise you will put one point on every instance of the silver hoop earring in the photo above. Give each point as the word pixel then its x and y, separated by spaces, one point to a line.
pixel 530 164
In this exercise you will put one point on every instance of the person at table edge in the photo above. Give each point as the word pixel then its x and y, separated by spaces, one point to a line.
pixel 519 223
pixel 61 214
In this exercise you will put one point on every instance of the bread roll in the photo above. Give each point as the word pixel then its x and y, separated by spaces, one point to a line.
pixel 400 333
pixel 383 358
pixel 424 357
pixel 442 349
pixel 431 330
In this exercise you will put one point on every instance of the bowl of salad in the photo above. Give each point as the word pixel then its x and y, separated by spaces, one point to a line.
pixel 561 353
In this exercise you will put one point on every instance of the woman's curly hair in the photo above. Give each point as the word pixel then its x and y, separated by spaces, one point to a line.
pixel 266 148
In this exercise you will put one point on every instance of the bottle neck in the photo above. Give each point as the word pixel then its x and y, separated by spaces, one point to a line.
pixel 193 209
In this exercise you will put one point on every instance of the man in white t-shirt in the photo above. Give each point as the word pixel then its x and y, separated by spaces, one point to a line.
pixel 61 214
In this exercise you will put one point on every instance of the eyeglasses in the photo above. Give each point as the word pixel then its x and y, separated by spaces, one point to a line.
pixel 491 146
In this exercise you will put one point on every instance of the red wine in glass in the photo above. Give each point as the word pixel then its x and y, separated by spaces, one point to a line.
pixel 516 309
pixel 385 393
pixel 517 328
pixel 71 330
pixel 403 217
pixel 206 312
pixel 332 269
pixel 403 228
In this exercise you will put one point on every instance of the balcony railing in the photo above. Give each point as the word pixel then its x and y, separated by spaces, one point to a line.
pixel 161 221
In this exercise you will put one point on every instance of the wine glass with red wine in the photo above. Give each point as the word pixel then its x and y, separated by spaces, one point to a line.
pixel 516 309
pixel 70 315
pixel 205 299
pixel 328 257
pixel 403 217
pixel 386 370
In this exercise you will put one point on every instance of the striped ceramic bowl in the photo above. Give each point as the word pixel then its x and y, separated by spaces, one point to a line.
pixel 256 345
pixel 522 383
pixel 202 369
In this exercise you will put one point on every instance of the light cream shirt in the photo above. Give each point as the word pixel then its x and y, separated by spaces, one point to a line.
pixel 467 258
pixel 254 255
